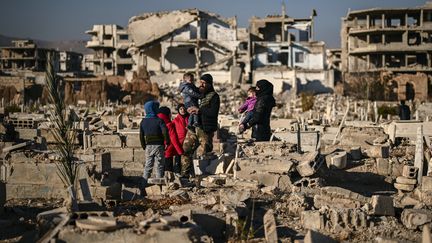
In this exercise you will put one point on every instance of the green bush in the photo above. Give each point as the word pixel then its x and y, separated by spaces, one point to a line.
pixel 385 110
pixel 12 109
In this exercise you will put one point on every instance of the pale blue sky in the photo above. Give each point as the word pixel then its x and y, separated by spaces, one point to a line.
pixel 68 19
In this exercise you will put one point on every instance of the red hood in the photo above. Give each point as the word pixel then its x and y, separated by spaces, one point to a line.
pixel 164 117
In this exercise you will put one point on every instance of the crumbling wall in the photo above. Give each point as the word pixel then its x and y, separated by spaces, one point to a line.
pixel 88 89
pixel 419 83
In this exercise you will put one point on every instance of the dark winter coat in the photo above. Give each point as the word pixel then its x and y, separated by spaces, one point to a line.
pixel 153 130
pixel 190 94
pixel 209 111
pixel 260 121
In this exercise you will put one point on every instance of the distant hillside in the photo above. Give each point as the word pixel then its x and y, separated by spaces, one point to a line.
pixel 68 45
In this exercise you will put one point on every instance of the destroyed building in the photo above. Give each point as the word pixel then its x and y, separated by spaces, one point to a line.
pixel 284 48
pixel 110 43
pixel 87 64
pixel 391 46
pixel 70 61
pixel 25 55
pixel 185 41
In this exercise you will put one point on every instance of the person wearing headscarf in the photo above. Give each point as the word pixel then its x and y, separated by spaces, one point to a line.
pixel 260 121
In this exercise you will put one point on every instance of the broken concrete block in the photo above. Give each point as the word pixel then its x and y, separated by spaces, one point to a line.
pixel 106 141
pixel 309 182
pixel 242 183
pixel 378 151
pixel 406 181
pixel 309 164
pixel 312 219
pixel 122 155
pixel 272 165
pixel 113 191
pixel 216 167
pixel 133 141
pixel 270 227
pixel 409 171
pixel 382 205
pixel 337 160
pixel 404 187
pixel 414 218
pixel 234 197
pixel 426 183
pixel 316 237
pixel 383 167
pixel 153 191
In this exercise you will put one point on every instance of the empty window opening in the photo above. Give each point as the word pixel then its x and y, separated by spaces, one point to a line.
pixel 376 61
pixel 413 21
pixel 393 38
pixel 375 39
pixel 394 61
pixel 414 38
pixel 375 21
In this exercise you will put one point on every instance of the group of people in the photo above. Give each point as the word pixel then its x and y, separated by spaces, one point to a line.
pixel 171 144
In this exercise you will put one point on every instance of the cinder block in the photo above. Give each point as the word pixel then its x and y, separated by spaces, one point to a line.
pixel 378 151
pixel 106 141
pixel 139 155
pixel 383 166
pixel 382 205
pixel 337 160
pixel 28 133
pixel 426 183
pixel 133 141
pixel 312 220
pixel 409 172
pixel 122 155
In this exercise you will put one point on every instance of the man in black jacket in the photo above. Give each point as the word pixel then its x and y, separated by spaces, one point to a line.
pixel 260 121
pixel 202 139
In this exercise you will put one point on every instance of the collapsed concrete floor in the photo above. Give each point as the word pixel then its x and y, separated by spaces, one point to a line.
pixel 340 177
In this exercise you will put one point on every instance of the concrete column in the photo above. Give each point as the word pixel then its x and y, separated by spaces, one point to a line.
pixel 383 21
pixel 368 21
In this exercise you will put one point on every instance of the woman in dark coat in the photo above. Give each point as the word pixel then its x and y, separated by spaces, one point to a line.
pixel 260 121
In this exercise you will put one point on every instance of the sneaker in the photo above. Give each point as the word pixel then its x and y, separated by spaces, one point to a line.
pixel 241 130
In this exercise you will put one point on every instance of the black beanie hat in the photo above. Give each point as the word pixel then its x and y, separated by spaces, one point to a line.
pixel 164 110
pixel 207 78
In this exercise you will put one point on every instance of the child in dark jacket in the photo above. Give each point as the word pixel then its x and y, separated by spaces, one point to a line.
pixel 191 96
pixel 247 108
pixel 153 137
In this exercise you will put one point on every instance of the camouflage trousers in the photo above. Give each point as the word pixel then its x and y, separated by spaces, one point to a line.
pixel 198 141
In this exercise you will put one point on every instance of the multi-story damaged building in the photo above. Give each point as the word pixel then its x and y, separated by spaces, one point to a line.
pixel 282 50
pixel 391 46
pixel 70 61
pixel 26 55
pixel 110 44
pixel 185 40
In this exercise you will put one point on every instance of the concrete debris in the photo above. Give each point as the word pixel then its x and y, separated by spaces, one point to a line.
pixel 377 164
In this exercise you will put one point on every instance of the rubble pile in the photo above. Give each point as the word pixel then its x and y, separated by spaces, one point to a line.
pixel 340 179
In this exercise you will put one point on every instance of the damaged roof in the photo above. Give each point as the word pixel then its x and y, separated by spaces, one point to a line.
pixel 166 22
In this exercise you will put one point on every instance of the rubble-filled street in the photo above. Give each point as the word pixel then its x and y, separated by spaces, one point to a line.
pixel 187 126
